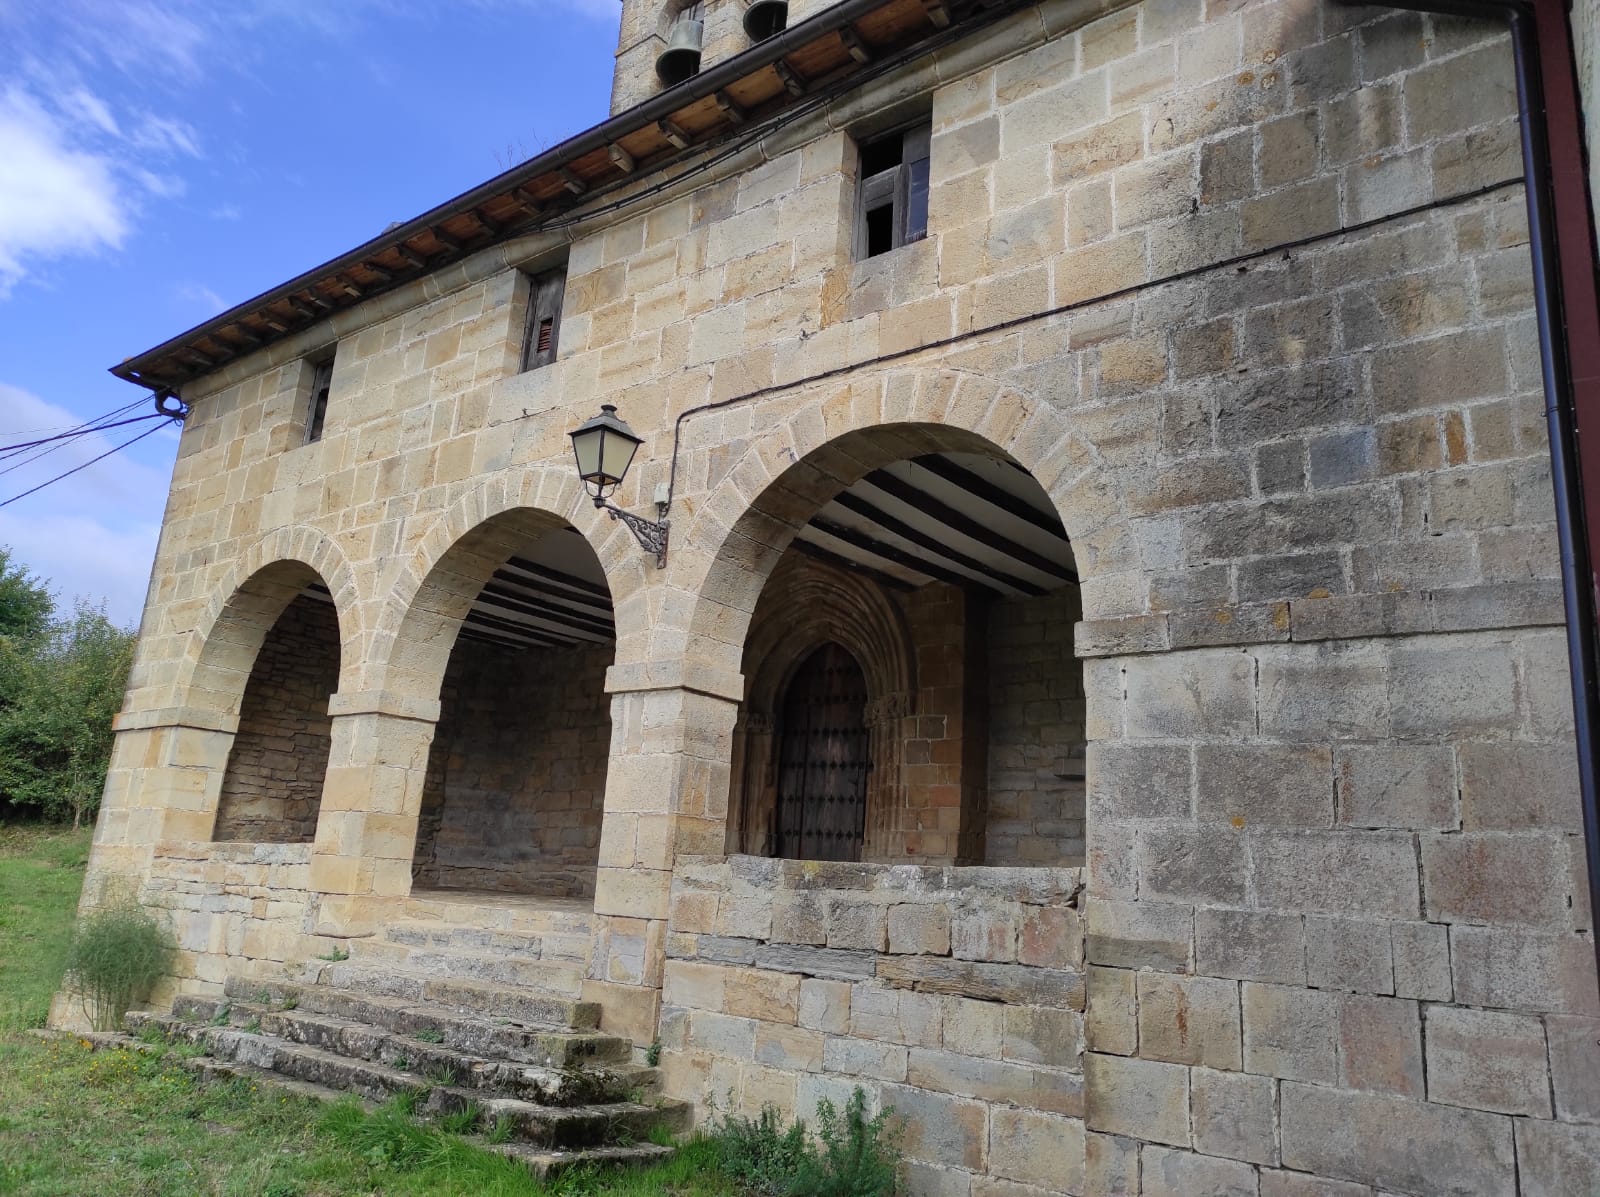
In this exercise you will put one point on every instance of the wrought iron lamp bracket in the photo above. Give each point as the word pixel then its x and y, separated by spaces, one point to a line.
pixel 651 534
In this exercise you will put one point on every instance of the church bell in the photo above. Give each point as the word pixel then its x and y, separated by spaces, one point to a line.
pixel 681 59
pixel 765 17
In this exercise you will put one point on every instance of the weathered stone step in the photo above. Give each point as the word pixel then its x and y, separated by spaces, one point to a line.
pixel 548 1047
pixel 436 1061
pixel 208 1068
pixel 543 1161
pixel 553 1126
pixel 444 996
pixel 546 1163
pixel 568 1126
pixel 568 946
pixel 555 976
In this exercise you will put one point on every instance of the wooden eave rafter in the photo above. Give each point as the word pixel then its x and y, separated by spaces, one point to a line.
pixel 758 83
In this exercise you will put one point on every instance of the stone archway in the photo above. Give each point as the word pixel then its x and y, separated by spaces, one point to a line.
pixel 1018 779
pixel 459 754
pixel 265 658
pixel 826 605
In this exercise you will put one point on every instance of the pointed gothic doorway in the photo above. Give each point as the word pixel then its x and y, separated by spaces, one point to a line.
pixel 824 755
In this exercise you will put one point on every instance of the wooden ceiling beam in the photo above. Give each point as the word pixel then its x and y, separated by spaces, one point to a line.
pixel 572 182
pixel 982 488
pixel 412 256
pixel 959 521
pixel 932 543
pixel 596 590
pixel 889 581
pixel 937 13
pixel 898 555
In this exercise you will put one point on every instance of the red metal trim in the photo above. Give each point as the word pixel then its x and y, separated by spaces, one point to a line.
pixel 1573 218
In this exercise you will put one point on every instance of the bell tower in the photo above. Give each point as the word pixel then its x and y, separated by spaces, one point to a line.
pixel 664 42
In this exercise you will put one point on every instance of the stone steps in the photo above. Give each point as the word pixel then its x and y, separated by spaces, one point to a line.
pixel 543 1161
pixel 500 1039
pixel 341 989
pixel 530 1061
pixel 435 1062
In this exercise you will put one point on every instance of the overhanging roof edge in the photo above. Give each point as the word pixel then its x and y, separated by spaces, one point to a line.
pixel 640 116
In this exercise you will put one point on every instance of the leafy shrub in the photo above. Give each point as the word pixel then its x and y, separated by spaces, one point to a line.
pixel 116 956
pixel 853 1155
pixel 765 1152
pixel 857 1156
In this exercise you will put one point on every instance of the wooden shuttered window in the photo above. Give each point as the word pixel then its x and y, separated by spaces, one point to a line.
pixel 541 338
pixel 892 208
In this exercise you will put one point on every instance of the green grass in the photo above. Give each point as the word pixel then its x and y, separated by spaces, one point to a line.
pixel 41 873
pixel 76 1123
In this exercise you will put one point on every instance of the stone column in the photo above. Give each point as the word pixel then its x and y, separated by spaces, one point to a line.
pixel 367 833
pixel 667 788
pixel 886 790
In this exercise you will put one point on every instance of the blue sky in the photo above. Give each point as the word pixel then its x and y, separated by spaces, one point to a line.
pixel 162 160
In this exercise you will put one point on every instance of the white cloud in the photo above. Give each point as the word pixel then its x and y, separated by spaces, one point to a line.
pixel 54 199
pixel 92 535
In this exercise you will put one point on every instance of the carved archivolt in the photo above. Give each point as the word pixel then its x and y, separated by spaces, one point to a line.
pixel 805 605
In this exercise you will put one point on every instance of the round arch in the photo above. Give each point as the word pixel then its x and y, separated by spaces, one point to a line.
pixel 426 601
pixel 245 604
pixel 809 456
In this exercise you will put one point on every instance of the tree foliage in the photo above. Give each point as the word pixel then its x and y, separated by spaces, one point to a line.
pixel 25 602
pixel 61 681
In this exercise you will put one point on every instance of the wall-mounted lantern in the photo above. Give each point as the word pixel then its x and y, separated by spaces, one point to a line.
pixel 604 447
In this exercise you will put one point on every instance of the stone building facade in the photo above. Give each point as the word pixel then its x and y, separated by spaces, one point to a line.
pixel 1223 840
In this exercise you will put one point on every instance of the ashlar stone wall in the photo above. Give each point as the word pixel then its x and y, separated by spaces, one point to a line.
pixel 273 787
pixel 953 994
pixel 1035 812
pixel 516 773
pixel 1246 289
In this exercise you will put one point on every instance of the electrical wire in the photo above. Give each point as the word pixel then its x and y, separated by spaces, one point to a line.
pixel 67 474
pixel 76 431
pixel 8 451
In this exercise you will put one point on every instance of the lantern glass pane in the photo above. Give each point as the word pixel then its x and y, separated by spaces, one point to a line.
pixel 617 455
pixel 586 447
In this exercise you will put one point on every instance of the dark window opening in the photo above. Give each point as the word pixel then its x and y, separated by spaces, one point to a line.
pixel 892 208
pixel 542 334
pixel 317 409
pixel 880 231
